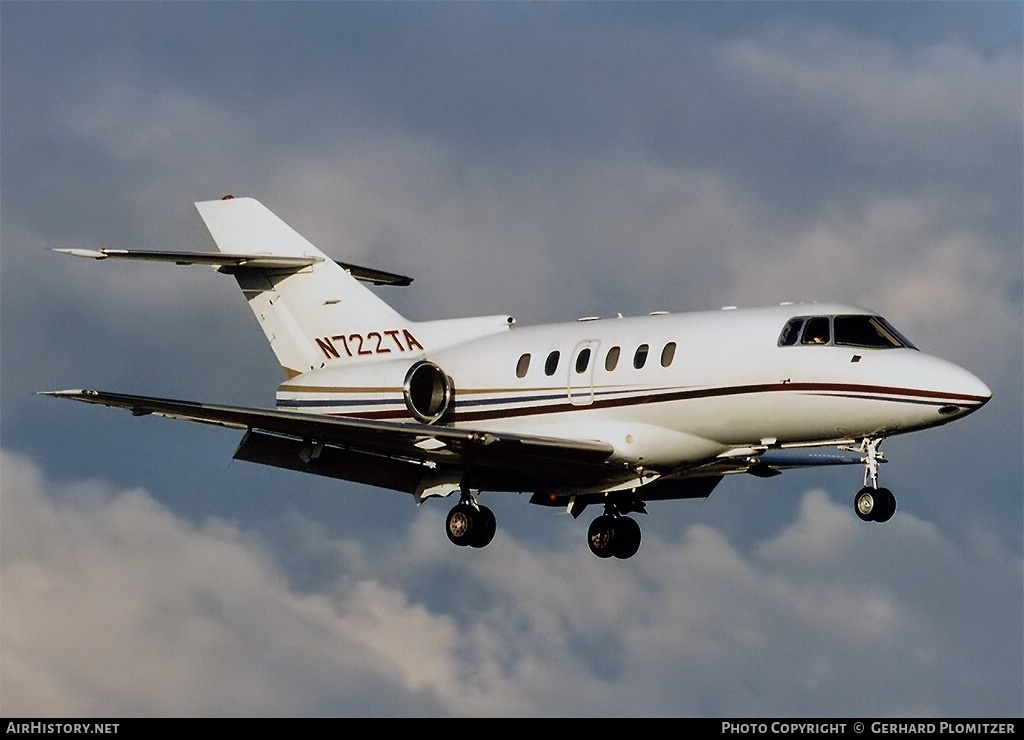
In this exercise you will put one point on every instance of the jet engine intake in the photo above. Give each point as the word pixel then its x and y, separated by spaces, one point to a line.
pixel 428 392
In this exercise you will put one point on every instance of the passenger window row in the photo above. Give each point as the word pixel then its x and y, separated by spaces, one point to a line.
pixel 611 359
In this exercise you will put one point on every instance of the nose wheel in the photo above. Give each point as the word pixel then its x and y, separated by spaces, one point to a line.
pixel 872 503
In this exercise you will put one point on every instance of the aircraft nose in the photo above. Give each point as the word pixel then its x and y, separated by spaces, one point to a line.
pixel 978 388
pixel 965 391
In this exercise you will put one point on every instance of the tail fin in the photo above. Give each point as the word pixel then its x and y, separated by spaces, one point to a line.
pixel 311 315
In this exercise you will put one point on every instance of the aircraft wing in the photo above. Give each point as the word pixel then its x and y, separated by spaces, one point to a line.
pixel 429 460
pixel 397 455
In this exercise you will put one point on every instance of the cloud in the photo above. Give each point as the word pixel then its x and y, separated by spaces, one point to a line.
pixel 589 161
pixel 113 605
pixel 686 163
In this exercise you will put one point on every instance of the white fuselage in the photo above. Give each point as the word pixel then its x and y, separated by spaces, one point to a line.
pixel 723 383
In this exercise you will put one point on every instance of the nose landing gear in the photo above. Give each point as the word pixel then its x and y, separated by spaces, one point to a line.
pixel 873 504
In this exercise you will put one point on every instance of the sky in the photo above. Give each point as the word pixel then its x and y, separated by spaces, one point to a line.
pixel 549 160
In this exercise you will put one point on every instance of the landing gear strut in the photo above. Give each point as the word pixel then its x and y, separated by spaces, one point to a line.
pixel 612 534
pixel 469 523
pixel 873 504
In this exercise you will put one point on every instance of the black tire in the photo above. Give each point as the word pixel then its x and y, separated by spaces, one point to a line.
pixel 601 536
pixel 886 506
pixel 484 527
pixel 627 538
pixel 461 524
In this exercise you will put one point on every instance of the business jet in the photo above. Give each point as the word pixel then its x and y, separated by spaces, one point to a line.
pixel 611 413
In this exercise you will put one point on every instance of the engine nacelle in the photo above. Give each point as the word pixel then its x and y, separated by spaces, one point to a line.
pixel 428 392
pixel 375 390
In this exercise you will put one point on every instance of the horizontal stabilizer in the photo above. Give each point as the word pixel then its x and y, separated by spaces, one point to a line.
pixel 233 263
pixel 214 259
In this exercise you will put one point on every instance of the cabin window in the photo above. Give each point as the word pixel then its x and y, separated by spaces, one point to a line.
pixel 582 360
pixel 817 330
pixel 523 366
pixel 668 354
pixel 611 360
pixel 791 333
pixel 640 358
pixel 551 364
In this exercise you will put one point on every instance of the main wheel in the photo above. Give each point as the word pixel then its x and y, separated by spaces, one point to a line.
pixel 484 527
pixel 627 537
pixel 601 536
pixel 460 525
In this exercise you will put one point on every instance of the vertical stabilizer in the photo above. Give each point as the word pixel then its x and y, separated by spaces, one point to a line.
pixel 311 316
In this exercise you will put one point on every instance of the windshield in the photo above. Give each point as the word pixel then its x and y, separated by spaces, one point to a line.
pixel 856 330
pixel 867 331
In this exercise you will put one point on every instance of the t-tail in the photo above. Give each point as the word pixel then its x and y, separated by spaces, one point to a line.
pixel 312 312
pixel 315 311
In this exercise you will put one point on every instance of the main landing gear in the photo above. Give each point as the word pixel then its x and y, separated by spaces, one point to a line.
pixel 614 535
pixel 873 504
pixel 469 523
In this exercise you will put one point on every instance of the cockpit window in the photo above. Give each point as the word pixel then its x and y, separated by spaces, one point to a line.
pixel 844 331
pixel 791 332
pixel 867 331
pixel 816 331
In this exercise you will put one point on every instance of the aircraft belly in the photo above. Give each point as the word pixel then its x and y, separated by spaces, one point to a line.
pixel 786 418
pixel 639 439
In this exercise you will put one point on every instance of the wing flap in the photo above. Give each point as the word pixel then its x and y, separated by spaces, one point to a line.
pixel 332 462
